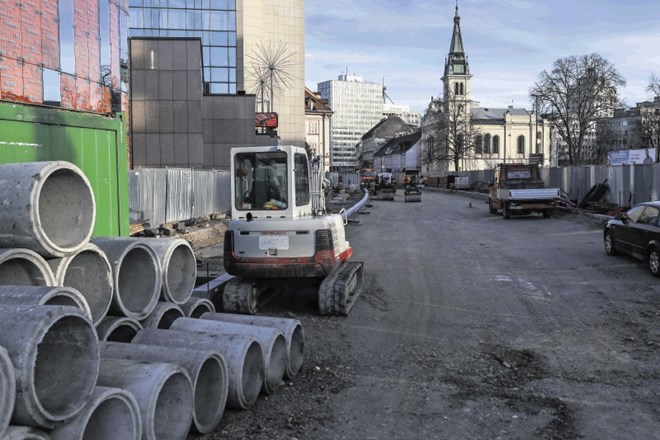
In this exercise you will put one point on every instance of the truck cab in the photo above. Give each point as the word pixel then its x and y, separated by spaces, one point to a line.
pixel 519 189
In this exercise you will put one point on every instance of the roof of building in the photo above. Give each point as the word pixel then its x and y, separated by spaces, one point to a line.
pixel 314 103
pixel 388 128
pixel 399 144
pixel 494 115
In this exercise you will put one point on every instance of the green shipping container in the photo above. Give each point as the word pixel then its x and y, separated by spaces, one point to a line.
pixel 94 143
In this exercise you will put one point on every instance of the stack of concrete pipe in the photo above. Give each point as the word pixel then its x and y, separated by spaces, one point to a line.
pixel 96 333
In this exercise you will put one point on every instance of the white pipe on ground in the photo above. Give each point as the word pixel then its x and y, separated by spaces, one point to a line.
pixel 178 265
pixel 207 370
pixel 46 206
pixel 292 329
pixel 43 296
pixel 136 273
pixel 111 414
pixel 163 393
pixel 196 307
pixel 271 340
pixel 245 364
pixel 162 316
pixel 7 389
pixel 55 352
pixel 23 267
pixel 118 329
pixel 90 273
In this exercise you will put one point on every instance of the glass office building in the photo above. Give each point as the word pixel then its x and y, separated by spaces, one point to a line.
pixel 213 21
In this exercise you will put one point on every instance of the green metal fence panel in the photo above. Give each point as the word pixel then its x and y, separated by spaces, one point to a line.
pixel 94 143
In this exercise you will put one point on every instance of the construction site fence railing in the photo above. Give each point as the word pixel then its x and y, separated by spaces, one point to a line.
pixel 163 195
pixel 628 184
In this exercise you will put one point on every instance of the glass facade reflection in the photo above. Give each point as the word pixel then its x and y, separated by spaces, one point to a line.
pixel 65 53
pixel 214 21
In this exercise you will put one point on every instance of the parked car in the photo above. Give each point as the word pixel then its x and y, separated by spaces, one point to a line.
pixel 636 232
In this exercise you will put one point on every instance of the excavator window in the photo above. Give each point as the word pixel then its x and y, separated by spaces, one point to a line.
pixel 260 180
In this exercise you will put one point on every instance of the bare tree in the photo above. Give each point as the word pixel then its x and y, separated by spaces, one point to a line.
pixel 578 91
pixel 654 86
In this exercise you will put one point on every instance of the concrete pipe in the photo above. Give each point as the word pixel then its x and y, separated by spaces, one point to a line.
pixel 43 296
pixel 90 273
pixel 206 369
pixel 245 364
pixel 55 353
pixel 111 414
pixel 118 329
pixel 163 393
pixel 24 433
pixel 136 276
pixel 163 316
pixel 179 267
pixel 7 389
pixel 46 206
pixel 23 267
pixel 272 343
pixel 292 329
pixel 196 307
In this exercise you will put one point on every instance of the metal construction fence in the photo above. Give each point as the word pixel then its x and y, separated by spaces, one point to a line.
pixel 162 195
pixel 629 184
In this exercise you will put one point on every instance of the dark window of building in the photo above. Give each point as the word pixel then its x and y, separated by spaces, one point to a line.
pixel 521 144
pixel 487 143
pixel 478 144
pixel 496 144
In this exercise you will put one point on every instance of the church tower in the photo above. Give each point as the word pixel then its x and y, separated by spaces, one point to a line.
pixel 456 80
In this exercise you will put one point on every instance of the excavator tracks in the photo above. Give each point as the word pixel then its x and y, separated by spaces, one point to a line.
pixel 340 289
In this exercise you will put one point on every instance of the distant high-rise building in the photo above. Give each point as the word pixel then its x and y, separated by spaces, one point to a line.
pixel 357 107
pixel 402 111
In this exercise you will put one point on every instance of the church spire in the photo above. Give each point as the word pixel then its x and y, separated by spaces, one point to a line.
pixel 456 61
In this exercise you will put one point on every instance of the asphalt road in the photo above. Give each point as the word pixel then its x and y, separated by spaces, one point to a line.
pixel 472 326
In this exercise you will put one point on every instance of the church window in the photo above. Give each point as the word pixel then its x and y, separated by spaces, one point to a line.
pixel 496 144
pixel 455 88
pixel 487 143
pixel 521 144
pixel 478 144
pixel 461 91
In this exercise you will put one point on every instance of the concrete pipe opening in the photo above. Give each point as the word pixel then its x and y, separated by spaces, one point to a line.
pixel 49 208
pixel 7 389
pixel 243 356
pixel 163 316
pixel 136 274
pixel 111 414
pixel 55 354
pixel 24 433
pixel 196 307
pixel 43 296
pixel 23 267
pixel 207 370
pixel 292 329
pixel 179 266
pixel 271 340
pixel 163 392
pixel 118 329
pixel 89 272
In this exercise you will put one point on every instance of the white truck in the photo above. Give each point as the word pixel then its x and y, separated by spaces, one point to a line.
pixel 519 189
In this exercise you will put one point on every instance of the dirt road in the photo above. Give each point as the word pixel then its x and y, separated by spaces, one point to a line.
pixel 471 326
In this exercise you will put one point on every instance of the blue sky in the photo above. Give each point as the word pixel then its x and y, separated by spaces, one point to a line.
pixel 508 43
